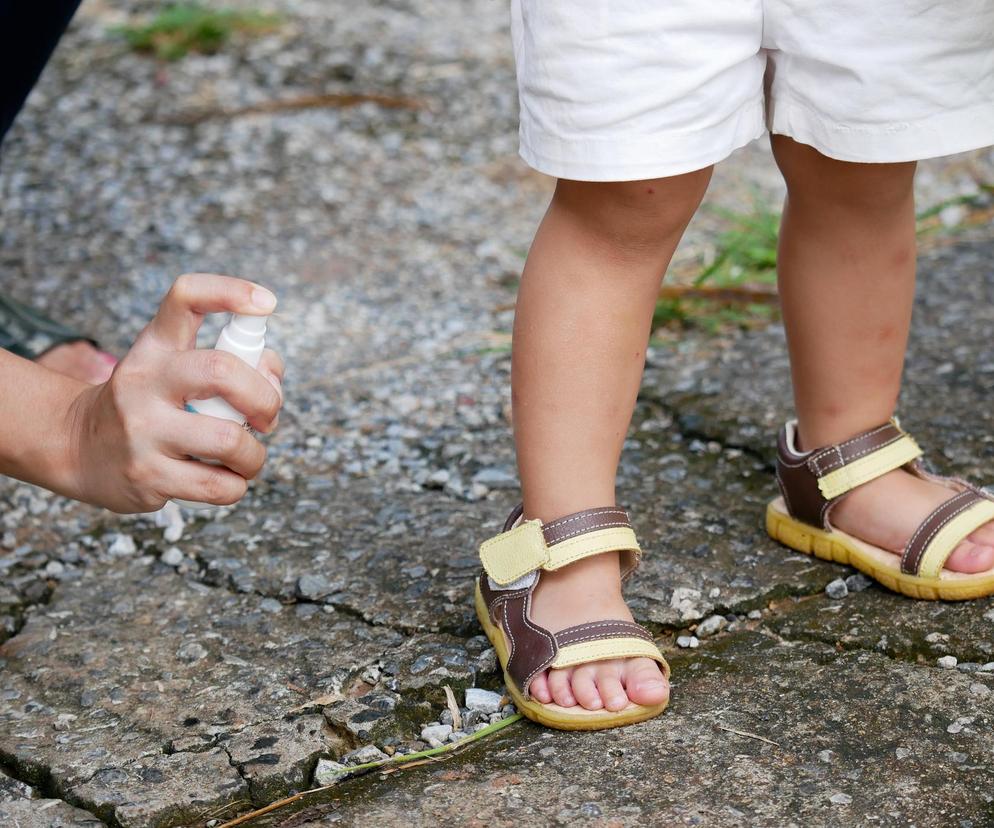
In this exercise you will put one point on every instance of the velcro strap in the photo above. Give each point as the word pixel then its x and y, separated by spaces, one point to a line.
pixel 607 648
pixel 523 549
pixel 946 535
pixel 871 465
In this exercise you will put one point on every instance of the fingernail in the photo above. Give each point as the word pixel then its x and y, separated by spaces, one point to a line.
pixel 275 381
pixel 263 299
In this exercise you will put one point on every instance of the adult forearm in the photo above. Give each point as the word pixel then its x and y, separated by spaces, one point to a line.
pixel 36 407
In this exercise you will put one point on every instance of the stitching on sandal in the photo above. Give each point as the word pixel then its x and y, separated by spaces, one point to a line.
pixel 588 529
pixel 582 515
pixel 955 513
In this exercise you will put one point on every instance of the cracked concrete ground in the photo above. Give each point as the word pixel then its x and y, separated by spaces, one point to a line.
pixel 154 682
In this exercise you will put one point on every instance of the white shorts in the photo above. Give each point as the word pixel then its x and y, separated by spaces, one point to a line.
pixel 616 90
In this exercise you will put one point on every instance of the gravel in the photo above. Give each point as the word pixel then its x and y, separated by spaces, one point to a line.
pixel 483 701
pixel 711 626
pixel 837 589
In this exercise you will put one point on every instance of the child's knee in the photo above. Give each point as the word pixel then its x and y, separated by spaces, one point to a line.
pixel 816 179
pixel 634 217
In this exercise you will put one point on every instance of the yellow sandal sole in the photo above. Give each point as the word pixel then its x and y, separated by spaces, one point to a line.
pixel 552 715
pixel 880 564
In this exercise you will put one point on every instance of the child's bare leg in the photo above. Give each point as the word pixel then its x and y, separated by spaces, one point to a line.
pixel 580 332
pixel 847 271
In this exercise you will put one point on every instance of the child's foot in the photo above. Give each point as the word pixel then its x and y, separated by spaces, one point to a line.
pixel 886 512
pixel 586 591
pixel 80 360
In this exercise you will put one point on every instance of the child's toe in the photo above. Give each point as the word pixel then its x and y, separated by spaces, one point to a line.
pixel 611 690
pixel 971 557
pixel 585 688
pixel 645 683
pixel 539 688
pixel 559 686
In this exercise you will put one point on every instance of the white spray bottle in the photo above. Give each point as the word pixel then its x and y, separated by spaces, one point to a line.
pixel 245 337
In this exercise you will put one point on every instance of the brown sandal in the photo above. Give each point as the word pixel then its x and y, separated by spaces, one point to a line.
pixel 512 564
pixel 812 482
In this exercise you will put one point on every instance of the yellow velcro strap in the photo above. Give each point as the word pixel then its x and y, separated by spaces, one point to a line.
pixel 514 553
pixel 604 648
pixel 866 468
pixel 518 551
pixel 938 550
pixel 616 538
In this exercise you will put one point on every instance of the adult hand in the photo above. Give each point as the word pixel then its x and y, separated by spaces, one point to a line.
pixel 132 445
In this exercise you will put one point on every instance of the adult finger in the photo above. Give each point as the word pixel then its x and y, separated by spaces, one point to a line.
pixel 271 367
pixel 211 438
pixel 206 373
pixel 201 483
pixel 195 294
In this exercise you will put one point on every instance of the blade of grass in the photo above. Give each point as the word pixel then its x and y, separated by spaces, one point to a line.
pixel 393 763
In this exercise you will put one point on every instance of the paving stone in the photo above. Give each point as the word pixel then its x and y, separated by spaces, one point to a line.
pixel 709 757
pixel 46 813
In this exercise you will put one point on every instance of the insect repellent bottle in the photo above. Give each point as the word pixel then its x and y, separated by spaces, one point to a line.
pixel 245 337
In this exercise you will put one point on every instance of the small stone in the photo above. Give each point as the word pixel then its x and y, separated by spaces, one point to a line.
pixel 688 641
pixel 313 587
pixel 989 615
pixel 837 589
pixel 328 772
pixel 172 556
pixel 710 626
pixel 902 753
pixel 754 615
pixel 191 652
pixel 958 757
pixel 978 689
pixel 987 668
pixel 826 756
pixel 858 582
pixel 63 721
pixel 496 479
pixel 369 753
pixel 53 569
pixel 968 667
pixel 547 752
pixel 122 546
pixel 436 733
pixel 483 701
pixel 270 605
pixel 840 798
pixel 937 638
pixel 456 735
pixel 947 662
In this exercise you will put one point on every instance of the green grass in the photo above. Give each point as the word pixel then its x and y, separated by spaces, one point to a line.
pixel 746 256
pixel 190 27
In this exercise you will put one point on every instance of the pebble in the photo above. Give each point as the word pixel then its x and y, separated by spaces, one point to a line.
pixel 858 582
pixel 191 652
pixel 328 772
pixel 172 556
pixel 122 545
pixel 688 641
pixel 435 734
pixel 826 755
pixel 483 701
pixel 54 569
pixel 987 668
pixel 978 689
pixel 313 587
pixel 711 625
pixel 496 479
pixel 902 753
pixel 837 589
pixel 270 605
pixel 755 615
pixel 368 753
pixel 947 662
pixel 840 799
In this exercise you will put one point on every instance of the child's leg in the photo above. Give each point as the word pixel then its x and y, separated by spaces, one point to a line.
pixel 847 270
pixel 580 331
